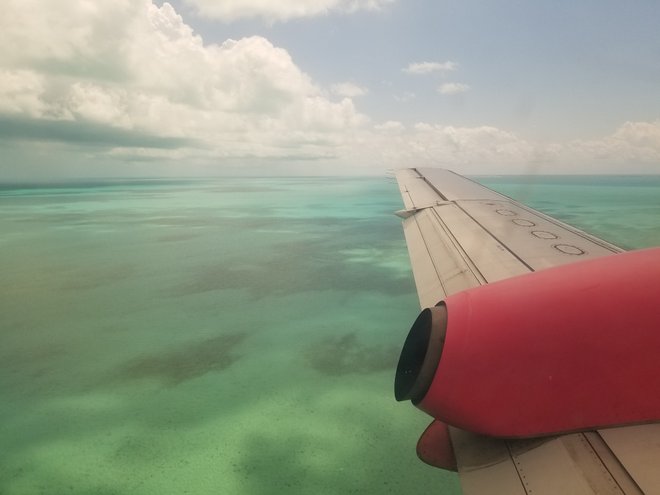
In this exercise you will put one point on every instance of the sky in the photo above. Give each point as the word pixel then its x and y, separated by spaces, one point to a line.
pixel 99 88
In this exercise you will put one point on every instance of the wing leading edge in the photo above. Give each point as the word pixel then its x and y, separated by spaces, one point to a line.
pixel 460 235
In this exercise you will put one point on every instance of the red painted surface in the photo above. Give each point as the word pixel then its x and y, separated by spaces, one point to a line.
pixel 434 447
pixel 564 349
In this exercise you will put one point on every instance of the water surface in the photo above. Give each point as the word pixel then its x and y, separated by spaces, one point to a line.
pixel 228 335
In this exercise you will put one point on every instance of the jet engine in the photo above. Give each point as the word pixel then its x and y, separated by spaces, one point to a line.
pixel 570 348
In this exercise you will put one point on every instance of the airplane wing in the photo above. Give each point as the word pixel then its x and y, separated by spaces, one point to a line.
pixel 461 235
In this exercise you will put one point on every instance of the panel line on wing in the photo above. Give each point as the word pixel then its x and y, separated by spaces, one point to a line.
pixel 441 265
pixel 503 244
pixel 583 471
pixel 428 250
pixel 612 463
pixel 429 287
pixel 517 466
pixel 637 448
pixel 460 249
pixel 430 184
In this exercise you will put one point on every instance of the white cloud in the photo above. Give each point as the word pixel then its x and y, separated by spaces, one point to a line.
pixel 488 149
pixel 633 143
pixel 21 92
pixel 348 90
pixel 428 67
pixel 467 145
pixel 281 10
pixel 391 126
pixel 467 149
pixel 453 88
pixel 134 66
pixel 644 135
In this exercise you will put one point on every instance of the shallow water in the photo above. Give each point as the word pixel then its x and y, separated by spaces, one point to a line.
pixel 227 335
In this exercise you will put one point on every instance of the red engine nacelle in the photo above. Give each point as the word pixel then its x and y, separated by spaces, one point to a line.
pixel 570 348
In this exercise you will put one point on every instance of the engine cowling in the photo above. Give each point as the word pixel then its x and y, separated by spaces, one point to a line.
pixel 570 348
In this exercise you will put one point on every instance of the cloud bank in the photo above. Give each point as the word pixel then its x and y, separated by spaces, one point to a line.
pixel 632 148
pixel 128 81
pixel 153 76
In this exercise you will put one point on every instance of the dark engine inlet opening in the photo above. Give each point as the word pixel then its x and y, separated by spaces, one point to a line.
pixel 420 355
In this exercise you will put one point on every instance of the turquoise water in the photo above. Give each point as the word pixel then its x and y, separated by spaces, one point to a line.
pixel 228 336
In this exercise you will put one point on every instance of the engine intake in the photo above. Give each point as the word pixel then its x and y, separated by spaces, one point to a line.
pixel 421 354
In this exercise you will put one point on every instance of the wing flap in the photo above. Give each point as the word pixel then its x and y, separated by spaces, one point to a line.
pixel 428 281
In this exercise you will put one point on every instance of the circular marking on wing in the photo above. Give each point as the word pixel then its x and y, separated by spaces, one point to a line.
pixel 569 249
pixel 506 213
pixel 523 223
pixel 542 234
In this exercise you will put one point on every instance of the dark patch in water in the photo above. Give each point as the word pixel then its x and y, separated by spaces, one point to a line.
pixel 208 279
pixel 136 449
pixel 344 354
pixel 91 278
pixel 36 361
pixel 301 265
pixel 186 362
pixel 296 463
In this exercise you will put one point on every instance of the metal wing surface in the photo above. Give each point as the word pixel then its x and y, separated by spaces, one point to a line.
pixel 461 234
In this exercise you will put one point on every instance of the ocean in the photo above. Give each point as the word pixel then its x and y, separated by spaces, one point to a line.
pixel 229 336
